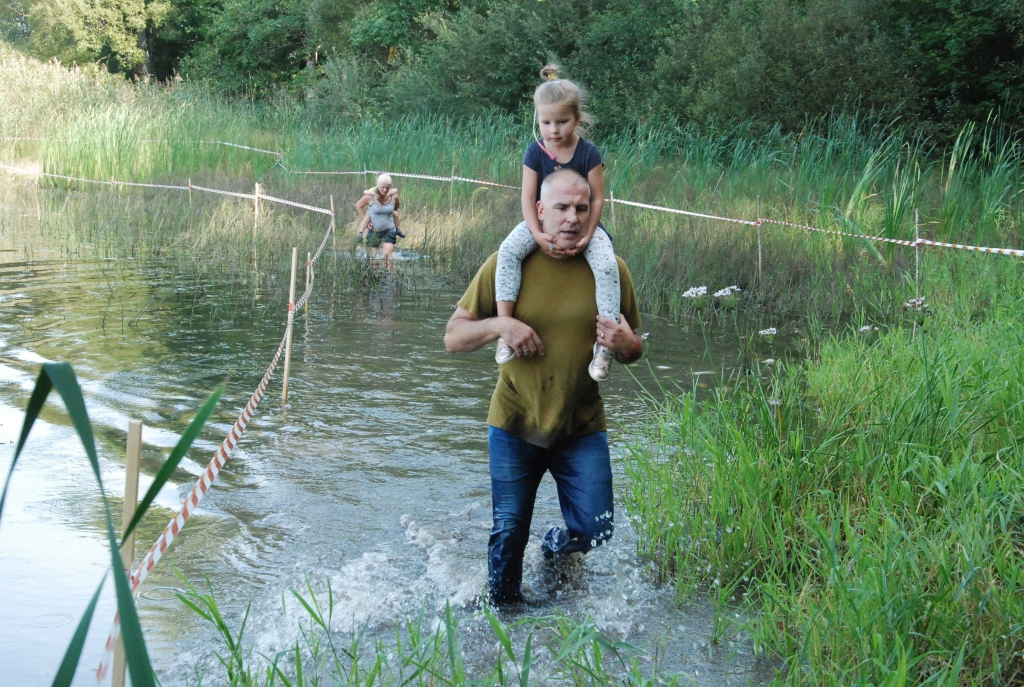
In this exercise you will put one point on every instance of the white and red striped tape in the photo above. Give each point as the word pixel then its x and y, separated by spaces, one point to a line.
pixel 681 212
pixel 213 469
pixel 882 239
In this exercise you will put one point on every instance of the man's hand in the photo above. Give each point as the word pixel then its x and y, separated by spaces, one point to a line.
pixel 466 333
pixel 616 336
pixel 521 337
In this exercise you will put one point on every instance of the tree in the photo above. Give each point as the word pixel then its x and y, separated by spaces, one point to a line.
pixel 110 31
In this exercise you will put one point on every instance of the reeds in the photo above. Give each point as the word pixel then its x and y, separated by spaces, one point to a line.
pixel 867 504
pixel 553 650
pixel 864 176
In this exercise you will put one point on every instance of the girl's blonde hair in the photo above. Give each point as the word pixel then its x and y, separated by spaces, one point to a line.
pixel 558 91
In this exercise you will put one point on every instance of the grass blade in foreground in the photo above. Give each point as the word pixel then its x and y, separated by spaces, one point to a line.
pixel 61 376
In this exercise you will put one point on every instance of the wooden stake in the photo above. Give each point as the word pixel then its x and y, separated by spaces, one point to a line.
pixel 917 253
pixel 451 194
pixel 759 240
pixel 288 337
pixel 131 500
pixel 334 236
pixel 256 208
pixel 308 261
pixel 190 192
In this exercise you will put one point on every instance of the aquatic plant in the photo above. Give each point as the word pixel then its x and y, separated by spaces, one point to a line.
pixel 61 377
pixel 728 298
pixel 866 503
pixel 555 650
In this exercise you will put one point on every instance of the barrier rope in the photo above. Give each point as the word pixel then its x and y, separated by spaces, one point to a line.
pixel 980 249
pixel 220 457
pixel 681 212
pixel 867 237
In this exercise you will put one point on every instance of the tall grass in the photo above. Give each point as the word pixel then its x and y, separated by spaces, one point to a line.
pixel 868 503
pixel 863 176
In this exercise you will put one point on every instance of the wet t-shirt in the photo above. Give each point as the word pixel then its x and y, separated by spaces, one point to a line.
pixel 584 158
pixel 545 400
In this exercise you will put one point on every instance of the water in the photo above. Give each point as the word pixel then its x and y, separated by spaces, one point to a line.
pixel 373 479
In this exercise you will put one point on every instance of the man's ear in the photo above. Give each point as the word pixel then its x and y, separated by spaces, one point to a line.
pixel 540 211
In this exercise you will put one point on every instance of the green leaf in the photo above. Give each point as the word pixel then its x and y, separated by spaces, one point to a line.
pixel 61 376
pixel 66 672
pixel 171 464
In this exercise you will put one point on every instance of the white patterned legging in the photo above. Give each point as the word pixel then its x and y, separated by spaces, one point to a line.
pixel 599 254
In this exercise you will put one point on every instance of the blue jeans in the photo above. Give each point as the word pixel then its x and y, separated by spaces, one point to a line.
pixel 582 471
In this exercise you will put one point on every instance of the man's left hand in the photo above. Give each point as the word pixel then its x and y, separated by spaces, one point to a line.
pixel 616 336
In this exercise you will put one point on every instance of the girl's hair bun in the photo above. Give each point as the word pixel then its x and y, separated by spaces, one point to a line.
pixel 549 72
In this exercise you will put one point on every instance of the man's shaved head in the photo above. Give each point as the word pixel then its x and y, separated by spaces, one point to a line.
pixel 569 176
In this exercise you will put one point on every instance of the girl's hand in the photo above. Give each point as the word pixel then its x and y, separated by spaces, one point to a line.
pixel 547 244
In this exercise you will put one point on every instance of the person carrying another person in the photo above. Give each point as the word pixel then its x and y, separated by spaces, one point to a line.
pixel 378 208
pixel 559 112
pixel 546 411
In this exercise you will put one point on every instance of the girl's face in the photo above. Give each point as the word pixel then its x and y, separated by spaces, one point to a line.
pixel 557 123
pixel 383 188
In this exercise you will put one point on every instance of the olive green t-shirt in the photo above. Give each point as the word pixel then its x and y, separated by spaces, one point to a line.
pixel 545 400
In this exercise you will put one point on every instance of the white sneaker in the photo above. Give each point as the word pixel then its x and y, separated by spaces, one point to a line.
pixel 601 365
pixel 504 352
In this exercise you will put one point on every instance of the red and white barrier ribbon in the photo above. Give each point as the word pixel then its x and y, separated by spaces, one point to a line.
pixel 213 469
pixel 882 239
pixel 485 183
pixel 681 212
pixel 980 249
pixel 311 208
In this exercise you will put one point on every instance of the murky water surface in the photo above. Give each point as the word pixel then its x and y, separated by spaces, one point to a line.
pixel 374 478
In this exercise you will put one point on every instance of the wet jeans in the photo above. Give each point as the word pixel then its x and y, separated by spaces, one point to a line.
pixel 582 471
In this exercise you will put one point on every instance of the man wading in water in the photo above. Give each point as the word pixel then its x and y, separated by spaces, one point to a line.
pixel 546 412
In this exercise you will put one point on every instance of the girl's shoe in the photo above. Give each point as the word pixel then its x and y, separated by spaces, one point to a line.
pixel 601 365
pixel 504 352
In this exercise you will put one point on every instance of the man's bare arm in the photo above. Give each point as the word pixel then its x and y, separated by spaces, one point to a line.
pixel 466 333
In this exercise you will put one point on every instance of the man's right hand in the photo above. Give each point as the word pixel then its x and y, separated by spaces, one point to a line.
pixel 521 337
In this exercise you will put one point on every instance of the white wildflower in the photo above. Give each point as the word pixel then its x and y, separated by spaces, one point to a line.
pixel 771 331
pixel 695 292
pixel 727 291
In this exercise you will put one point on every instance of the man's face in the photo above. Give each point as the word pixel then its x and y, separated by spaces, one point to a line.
pixel 563 211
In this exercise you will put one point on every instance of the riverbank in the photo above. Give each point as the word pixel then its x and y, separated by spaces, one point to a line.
pixel 867 502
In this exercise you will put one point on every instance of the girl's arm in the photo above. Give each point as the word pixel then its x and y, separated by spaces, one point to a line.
pixel 596 179
pixel 364 217
pixel 398 204
pixel 529 202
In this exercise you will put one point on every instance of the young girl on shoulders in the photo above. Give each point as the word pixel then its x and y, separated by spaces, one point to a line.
pixel 559 112
pixel 378 209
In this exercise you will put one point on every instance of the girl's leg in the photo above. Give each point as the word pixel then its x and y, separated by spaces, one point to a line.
pixel 601 256
pixel 516 246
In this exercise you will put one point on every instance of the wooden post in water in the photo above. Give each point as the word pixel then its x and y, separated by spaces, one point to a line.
pixel 308 263
pixel 759 240
pixel 334 236
pixel 131 500
pixel 288 336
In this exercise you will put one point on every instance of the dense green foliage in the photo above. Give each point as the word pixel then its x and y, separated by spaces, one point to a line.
pixel 940 62
pixel 866 502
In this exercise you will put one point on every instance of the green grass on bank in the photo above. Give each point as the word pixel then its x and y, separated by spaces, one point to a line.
pixel 863 176
pixel 867 503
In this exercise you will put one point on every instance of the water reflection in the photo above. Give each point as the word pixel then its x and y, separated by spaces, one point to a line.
pixel 374 478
